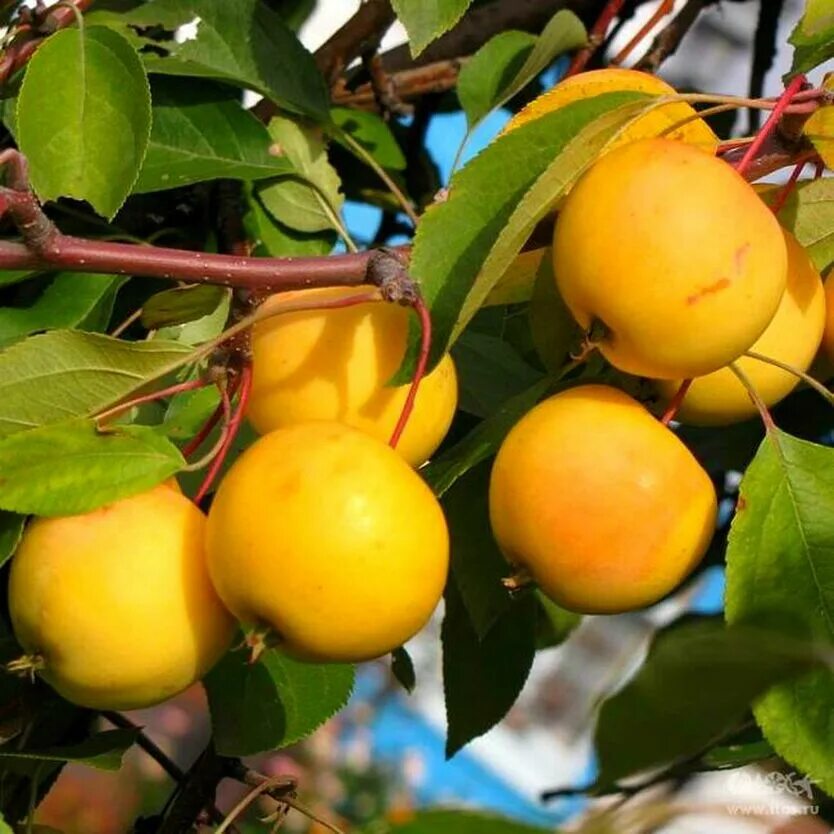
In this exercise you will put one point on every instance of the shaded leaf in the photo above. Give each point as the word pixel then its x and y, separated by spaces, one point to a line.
pixel 71 468
pixel 181 304
pixel 552 326
pixel 515 286
pixel 103 751
pixel 272 703
pixel 11 529
pixel 402 668
pixel 780 572
pixel 737 755
pixel 201 132
pixel 187 412
pixel 695 686
pixel 72 300
pixel 62 374
pixel 90 141
pixel 490 371
pixel 372 133
pixel 455 238
pixel 426 20
pixel 249 44
pixel 483 677
pixel 477 564
pixel 554 624
pixel 482 442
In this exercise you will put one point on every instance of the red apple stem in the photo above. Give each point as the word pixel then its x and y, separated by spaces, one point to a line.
pixel 675 403
pixel 788 187
pixel 419 370
pixel 770 124
pixel 232 429
pixel 223 408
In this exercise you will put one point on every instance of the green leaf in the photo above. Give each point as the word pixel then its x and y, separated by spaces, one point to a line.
pixel 780 571
pixel 452 249
pixel 813 37
pixel 11 529
pixel 402 668
pixel 809 214
pixel 554 624
pixel 103 751
pixel 426 20
pixel 274 239
pixel 272 703
pixel 72 467
pixel 477 564
pixel 309 200
pixel 73 300
pixel 248 44
pixel 181 304
pixel 90 141
pixel 696 685
pixel 482 442
pixel 372 133
pixel 62 374
pixel 490 71
pixel 490 371
pixel 462 822
pixel 14 276
pixel 737 755
pixel 200 330
pixel 201 132
pixel 482 677
pixel 5 828
pixel 552 326
pixel 187 412
pixel 509 61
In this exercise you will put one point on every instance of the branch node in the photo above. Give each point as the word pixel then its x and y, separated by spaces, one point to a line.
pixel 388 270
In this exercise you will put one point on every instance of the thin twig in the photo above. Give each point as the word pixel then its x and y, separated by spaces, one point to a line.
pixel 676 402
pixel 181 387
pixel 667 41
pixel 595 37
pixel 764 412
pixel 666 7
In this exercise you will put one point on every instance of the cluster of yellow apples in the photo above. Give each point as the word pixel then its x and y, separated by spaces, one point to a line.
pixel 321 538
pixel 675 268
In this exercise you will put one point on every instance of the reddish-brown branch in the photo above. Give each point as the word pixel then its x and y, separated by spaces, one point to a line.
pixel 419 370
pixel 406 85
pixel 667 41
pixel 77 254
pixel 675 402
pixel 666 7
pixel 596 36
pixel 770 125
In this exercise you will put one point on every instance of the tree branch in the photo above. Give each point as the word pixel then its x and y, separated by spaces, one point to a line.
pixel 764 51
pixel 667 41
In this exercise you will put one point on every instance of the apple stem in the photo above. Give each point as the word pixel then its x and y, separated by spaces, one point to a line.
pixel 767 417
pixel 232 429
pixel 797 372
pixel 226 395
pixel 419 370
pixel 772 121
pixel 675 403
pixel 120 408
pixel 595 37
pixel 788 187
pixel 665 8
